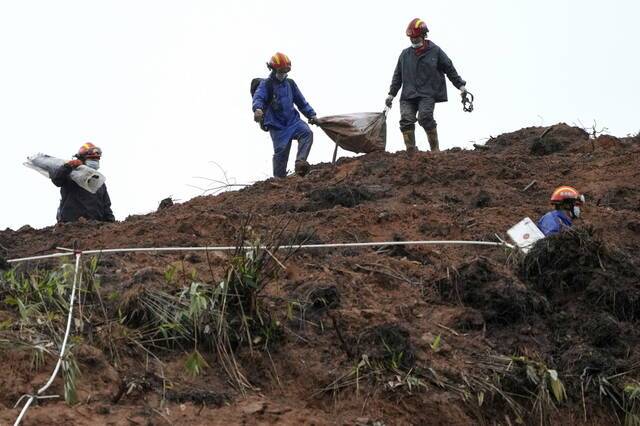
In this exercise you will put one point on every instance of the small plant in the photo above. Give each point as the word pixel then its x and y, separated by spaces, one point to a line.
pixel 70 373
pixel 436 344
pixel 170 274
pixel 631 395
pixel 547 384
pixel 195 364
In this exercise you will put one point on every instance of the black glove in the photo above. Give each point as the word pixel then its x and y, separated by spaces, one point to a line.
pixel 389 101
pixel 258 115
pixel 313 120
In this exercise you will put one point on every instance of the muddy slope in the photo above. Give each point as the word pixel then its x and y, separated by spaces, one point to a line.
pixel 415 335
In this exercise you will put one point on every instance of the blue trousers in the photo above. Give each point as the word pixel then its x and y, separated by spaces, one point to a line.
pixel 282 139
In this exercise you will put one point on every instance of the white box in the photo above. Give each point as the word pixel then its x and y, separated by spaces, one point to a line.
pixel 525 233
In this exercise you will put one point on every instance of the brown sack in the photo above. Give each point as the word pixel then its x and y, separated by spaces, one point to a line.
pixel 359 132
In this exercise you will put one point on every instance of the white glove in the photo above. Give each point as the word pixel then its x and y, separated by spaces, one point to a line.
pixel 463 89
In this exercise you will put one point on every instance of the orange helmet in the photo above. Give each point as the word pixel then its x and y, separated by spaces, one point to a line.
pixel 566 193
pixel 89 150
pixel 417 28
pixel 279 61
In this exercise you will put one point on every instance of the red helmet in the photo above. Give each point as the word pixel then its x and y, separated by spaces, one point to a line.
pixel 279 61
pixel 566 193
pixel 417 28
pixel 89 150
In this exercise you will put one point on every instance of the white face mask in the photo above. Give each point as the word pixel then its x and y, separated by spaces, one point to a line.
pixel 282 76
pixel 94 164
pixel 576 212
pixel 417 45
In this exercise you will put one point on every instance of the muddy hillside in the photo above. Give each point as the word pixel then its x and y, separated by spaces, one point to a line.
pixel 438 335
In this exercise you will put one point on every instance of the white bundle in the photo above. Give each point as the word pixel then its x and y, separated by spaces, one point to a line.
pixel 84 176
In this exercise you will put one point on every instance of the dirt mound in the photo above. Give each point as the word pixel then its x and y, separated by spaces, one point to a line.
pixel 500 296
pixel 579 261
pixel 377 335
pixel 541 141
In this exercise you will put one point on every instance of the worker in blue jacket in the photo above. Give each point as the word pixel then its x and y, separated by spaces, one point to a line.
pixel 567 202
pixel 273 108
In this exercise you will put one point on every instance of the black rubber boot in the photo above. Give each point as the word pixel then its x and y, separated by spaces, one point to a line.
pixel 302 168
pixel 432 136
pixel 409 137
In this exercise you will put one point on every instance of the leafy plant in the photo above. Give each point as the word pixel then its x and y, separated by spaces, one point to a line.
pixel 436 344
pixel 195 364
pixel 70 373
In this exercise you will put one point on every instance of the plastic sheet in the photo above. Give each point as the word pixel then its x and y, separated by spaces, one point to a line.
pixel 359 132
pixel 84 176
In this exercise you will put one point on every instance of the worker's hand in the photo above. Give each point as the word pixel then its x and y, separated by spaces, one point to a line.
pixel 463 89
pixel 389 101
pixel 74 163
pixel 313 120
pixel 258 115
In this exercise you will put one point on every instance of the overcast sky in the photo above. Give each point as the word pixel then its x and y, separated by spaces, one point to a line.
pixel 163 86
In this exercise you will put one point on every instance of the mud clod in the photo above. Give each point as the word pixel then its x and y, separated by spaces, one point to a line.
pixel 602 330
pixel 502 299
pixel 341 195
pixel 387 343
pixel 546 146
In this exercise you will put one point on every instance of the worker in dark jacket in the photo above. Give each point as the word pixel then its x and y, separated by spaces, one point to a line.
pixel 420 72
pixel 273 107
pixel 77 202
pixel 566 202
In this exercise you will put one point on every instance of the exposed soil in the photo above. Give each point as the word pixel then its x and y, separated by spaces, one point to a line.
pixel 393 335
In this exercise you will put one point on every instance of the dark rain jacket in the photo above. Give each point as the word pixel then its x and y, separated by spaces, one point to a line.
pixel 279 99
pixel 423 76
pixel 77 202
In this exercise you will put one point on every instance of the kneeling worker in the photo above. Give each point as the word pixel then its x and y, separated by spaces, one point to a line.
pixel 567 201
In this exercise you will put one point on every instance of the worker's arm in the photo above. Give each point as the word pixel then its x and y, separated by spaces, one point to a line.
pixel 396 81
pixel 61 175
pixel 108 214
pixel 446 66
pixel 301 102
pixel 261 96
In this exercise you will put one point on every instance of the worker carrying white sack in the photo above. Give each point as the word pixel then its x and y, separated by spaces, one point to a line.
pixel 82 188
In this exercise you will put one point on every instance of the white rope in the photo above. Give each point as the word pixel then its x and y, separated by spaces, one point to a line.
pixel 45 256
pixel 295 246
pixel 290 246
pixel 62 348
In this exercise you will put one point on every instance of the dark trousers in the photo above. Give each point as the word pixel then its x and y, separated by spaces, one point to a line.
pixel 282 139
pixel 422 108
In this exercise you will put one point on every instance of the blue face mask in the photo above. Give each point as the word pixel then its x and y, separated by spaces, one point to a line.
pixel 94 164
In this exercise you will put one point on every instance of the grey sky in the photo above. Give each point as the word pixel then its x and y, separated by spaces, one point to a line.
pixel 163 86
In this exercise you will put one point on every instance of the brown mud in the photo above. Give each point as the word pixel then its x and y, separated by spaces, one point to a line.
pixel 393 335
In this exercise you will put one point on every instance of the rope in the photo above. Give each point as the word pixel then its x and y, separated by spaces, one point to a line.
pixel 290 246
pixel 45 256
pixel 63 348
pixel 298 246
